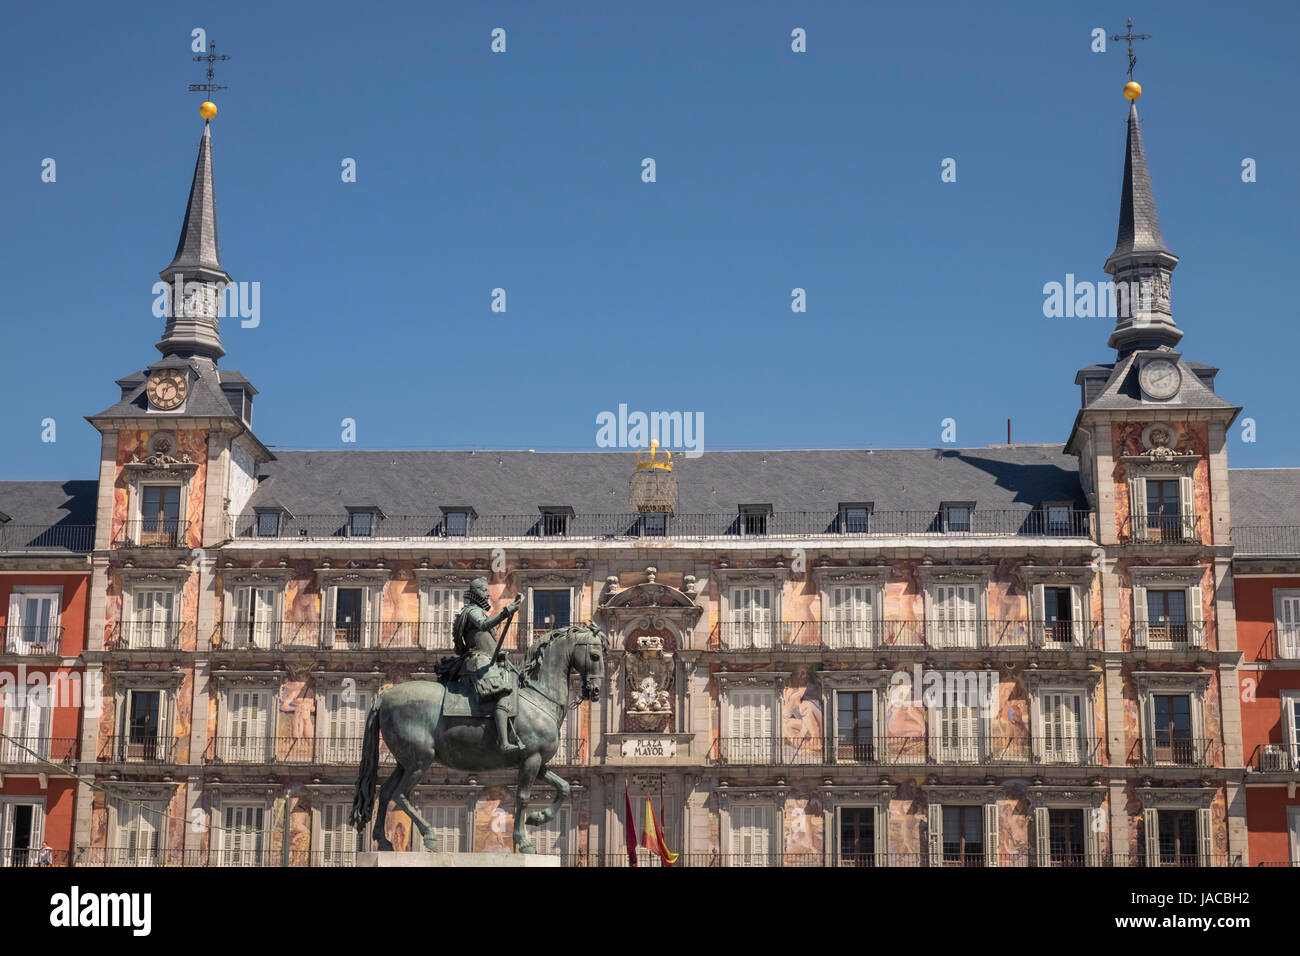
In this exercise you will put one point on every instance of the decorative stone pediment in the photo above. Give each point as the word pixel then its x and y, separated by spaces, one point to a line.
pixel 227 678
pixel 949 793
pixel 458 578
pixel 352 577
pixel 268 577
pixel 1057 574
pixel 929 574
pixel 649 606
pixel 1182 574
pixel 173 576
pixel 1176 798
pixel 147 679
pixel 828 575
pixel 1195 681
pixel 1036 677
pixel 740 577
pixel 1073 796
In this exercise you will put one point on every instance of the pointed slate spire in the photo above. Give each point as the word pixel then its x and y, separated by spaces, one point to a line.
pixel 192 319
pixel 1141 264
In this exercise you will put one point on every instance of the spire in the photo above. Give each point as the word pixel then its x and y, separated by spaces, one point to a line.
pixel 192 319
pixel 1141 264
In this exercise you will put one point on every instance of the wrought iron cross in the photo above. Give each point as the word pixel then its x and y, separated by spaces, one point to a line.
pixel 1130 37
pixel 211 57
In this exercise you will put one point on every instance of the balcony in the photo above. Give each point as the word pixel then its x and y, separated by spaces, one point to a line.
pixel 984 750
pixel 17 752
pixel 47 539
pixel 1025 858
pixel 1171 637
pixel 33 640
pixel 875 634
pixel 785 525
pixel 371 635
pixel 137 748
pixel 291 751
pixel 1161 529
pixel 146 636
pixel 1274 758
pixel 1167 749
pixel 27 856
pixel 1280 644
pixel 155 533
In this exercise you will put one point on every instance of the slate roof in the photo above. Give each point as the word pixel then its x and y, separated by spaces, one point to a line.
pixel 1139 226
pixel 1123 391
pixel 1010 478
pixel 206 399
pixel 47 516
pixel 1264 497
pixel 196 250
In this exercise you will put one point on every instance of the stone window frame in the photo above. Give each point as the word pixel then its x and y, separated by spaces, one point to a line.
pixel 137 475
pixel 1138 469
pixel 222 796
pixel 771 797
pixel 462 797
pixel 233 681
pixel 528 580
pixel 160 794
pixel 1288 702
pixel 427 580
pixel 773 681
pixel 1079 579
pixel 326 683
pixel 1200 799
pixel 167 685
pixel 877 682
pixel 839 797
pixel 39 802
pixel 1151 684
pixel 774 578
pixel 153 579
pixel 937 796
pixel 876 578
pixel 371 581
pixel 1084 682
pixel 322 795
pixel 277 579
pixel 936 750
pixel 1279 595
pixel 11 632
pixel 1293 833
pixel 1166 577
pixel 1090 799
pixel 930 576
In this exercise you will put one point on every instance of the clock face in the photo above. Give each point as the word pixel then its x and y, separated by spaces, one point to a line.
pixel 1160 379
pixel 167 389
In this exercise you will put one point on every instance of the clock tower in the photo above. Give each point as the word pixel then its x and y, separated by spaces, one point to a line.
pixel 1151 438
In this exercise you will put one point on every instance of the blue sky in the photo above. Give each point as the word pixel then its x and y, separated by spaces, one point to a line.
pixel 522 171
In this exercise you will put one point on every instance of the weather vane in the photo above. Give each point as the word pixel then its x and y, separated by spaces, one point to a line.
pixel 208 109
pixel 1130 37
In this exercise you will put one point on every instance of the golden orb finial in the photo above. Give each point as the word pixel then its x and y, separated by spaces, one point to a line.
pixel 1132 90
pixel 208 109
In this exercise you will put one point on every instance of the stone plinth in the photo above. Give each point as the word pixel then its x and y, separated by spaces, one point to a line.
pixel 424 859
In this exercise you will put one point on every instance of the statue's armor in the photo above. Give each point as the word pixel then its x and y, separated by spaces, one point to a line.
pixel 476 644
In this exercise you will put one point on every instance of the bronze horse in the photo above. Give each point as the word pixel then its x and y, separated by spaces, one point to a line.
pixel 411 720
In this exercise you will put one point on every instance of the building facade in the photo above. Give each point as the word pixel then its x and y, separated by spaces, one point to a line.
pixel 1020 655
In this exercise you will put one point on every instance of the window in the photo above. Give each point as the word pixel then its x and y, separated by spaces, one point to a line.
pixel 1287 623
pixel 22 831
pixel 338 837
pixel 555 521
pixel 1067 842
pixel 243 839
pixel 753 519
pixel 1293 830
pixel 955 730
pixel 248 726
pixel 1062 726
pixel 855 726
pixel 1166 616
pixel 1058 614
pixel 550 609
pixel 1163 509
pixel 268 524
pixel 160 512
pixel 857 836
pixel 442 604
pixel 361 524
pixel 349 618
pixel 753 836
pixel 144 726
pixel 1172 730
pixel 963 836
pixel 854 519
pixel 26 726
pixel 749 726
pixel 1290 757
pixel 1178 845
pixel 654 524
pixel 956 518
pixel 33 625
pixel 446 825
pixel 849 620
pixel 138 829
pixel 456 523
pixel 151 620
pixel 1059 519
pixel 255 624
pixel 751 620
pixel 344 726
pixel 956 620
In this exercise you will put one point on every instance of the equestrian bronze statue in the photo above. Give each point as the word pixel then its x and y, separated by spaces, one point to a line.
pixel 463 720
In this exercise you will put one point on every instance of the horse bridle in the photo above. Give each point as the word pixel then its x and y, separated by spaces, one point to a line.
pixel 592 640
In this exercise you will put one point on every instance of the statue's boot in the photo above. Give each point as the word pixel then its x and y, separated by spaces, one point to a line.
pixel 503 734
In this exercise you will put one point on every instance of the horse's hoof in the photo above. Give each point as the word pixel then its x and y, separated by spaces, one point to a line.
pixel 431 844
pixel 525 848
pixel 537 817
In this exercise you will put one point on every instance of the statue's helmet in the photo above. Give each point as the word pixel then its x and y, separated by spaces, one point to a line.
pixel 477 593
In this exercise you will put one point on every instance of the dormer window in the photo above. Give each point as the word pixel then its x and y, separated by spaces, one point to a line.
pixel 1060 519
pixel 957 516
pixel 654 524
pixel 362 521
pixel 753 519
pixel 268 523
pixel 555 520
pixel 455 521
pixel 854 517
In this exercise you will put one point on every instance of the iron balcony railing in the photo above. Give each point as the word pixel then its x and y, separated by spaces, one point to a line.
pixel 951 858
pixel 780 524
pixel 1060 749
pixel 1161 529
pixel 137 748
pixel 17 750
pixel 146 635
pixel 253 852
pixel 1280 644
pixel 1275 758
pixel 1266 541
pixel 33 639
pixel 154 533
pixel 330 635
pixel 1181 636
pixel 26 856
pixel 877 634
pixel 1172 749
pixel 39 538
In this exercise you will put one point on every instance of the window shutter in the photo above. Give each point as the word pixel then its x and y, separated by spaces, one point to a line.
pixel 1195 618
pixel 1043 835
pixel 1093 816
pixel 935 834
pixel 1289 703
pixel 242 599
pixel 7 836
pixel 164 726
pixel 1151 835
pixel 1205 836
pixel 1078 617
pixel 970 733
pixel 263 612
pixel 1187 506
pixel 1137 506
pixel 1139 616
pixel 1071 711
pixel 1038 614
pixel 991 854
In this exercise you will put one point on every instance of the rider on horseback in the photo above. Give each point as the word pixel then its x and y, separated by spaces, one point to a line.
pixel 488 670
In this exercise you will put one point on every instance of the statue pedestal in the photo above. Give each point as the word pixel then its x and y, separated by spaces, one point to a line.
pixel 426 859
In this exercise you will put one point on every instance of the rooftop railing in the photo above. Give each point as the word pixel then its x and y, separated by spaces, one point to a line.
pixel 780 524
pixel 1267 541
pixel 59 538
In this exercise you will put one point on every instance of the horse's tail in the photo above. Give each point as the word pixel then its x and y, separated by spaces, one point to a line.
pixel 363 801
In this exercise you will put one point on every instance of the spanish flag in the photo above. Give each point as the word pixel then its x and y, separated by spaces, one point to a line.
pixel 651 837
